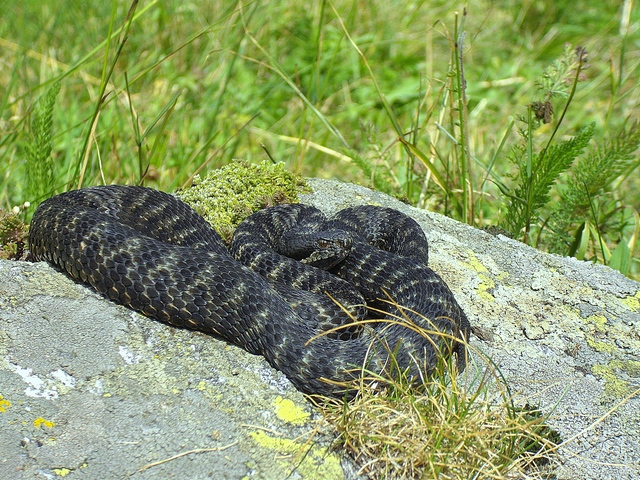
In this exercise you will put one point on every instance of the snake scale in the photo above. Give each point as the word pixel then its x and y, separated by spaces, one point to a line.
pixel 151 252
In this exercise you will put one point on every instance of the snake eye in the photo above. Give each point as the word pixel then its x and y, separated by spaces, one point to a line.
pixel 323 243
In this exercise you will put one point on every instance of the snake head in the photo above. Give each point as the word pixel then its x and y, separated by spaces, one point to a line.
pixel 321 249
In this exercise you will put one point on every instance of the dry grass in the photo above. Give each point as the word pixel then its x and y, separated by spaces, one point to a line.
pixel 445 431
pixel 448 426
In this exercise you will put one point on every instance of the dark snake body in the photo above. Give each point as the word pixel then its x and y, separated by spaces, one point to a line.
pixel 149 251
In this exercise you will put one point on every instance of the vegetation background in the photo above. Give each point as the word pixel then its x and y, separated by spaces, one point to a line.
pixel 514 115
pixel 518 116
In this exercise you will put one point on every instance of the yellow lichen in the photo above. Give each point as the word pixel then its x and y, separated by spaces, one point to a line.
pixel 600 322
pixel 289 412
pixel 310 462
pixel 476 264
pixel 630 367
pixel 61 472
pixel 282 445
pixel 502 276
pixel 4 404
pixel 633 302
pixel 486 282
pixel 614 386
pixel 600 346
pixel 229 194
pixel 38 422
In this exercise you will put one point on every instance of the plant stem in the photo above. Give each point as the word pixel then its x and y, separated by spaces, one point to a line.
pixel 465 171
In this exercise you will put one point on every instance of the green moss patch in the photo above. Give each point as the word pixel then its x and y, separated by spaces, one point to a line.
pixel 228 195
pixel 13 236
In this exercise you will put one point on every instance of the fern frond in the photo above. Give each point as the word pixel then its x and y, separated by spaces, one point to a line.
pixel 593 175
pixel 555 161
pixel 39 162
pixel 599 169
pixel 534 185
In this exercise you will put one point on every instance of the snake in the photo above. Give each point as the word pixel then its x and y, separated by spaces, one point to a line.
pixel 328 301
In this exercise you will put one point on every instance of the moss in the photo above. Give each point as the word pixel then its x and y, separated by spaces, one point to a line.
pixel 228 195
pixel 13 236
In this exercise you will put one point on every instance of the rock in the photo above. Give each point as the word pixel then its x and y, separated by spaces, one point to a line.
pixel 564 333
pixel 92 389
pixel 89 388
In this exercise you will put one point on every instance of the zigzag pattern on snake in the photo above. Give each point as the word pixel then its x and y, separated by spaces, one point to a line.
pixel 149 251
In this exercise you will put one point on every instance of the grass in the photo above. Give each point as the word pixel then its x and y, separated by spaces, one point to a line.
pixel 444 425
pixel 449 107
pixel 477 111
pixel 443 431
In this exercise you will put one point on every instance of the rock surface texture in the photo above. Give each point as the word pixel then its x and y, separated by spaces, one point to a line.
pixel 89 389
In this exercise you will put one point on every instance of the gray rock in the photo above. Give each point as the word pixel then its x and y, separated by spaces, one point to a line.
pixel 564 333
pixel 90 389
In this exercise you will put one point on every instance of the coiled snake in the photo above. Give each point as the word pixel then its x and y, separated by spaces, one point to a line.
pixel 149 251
